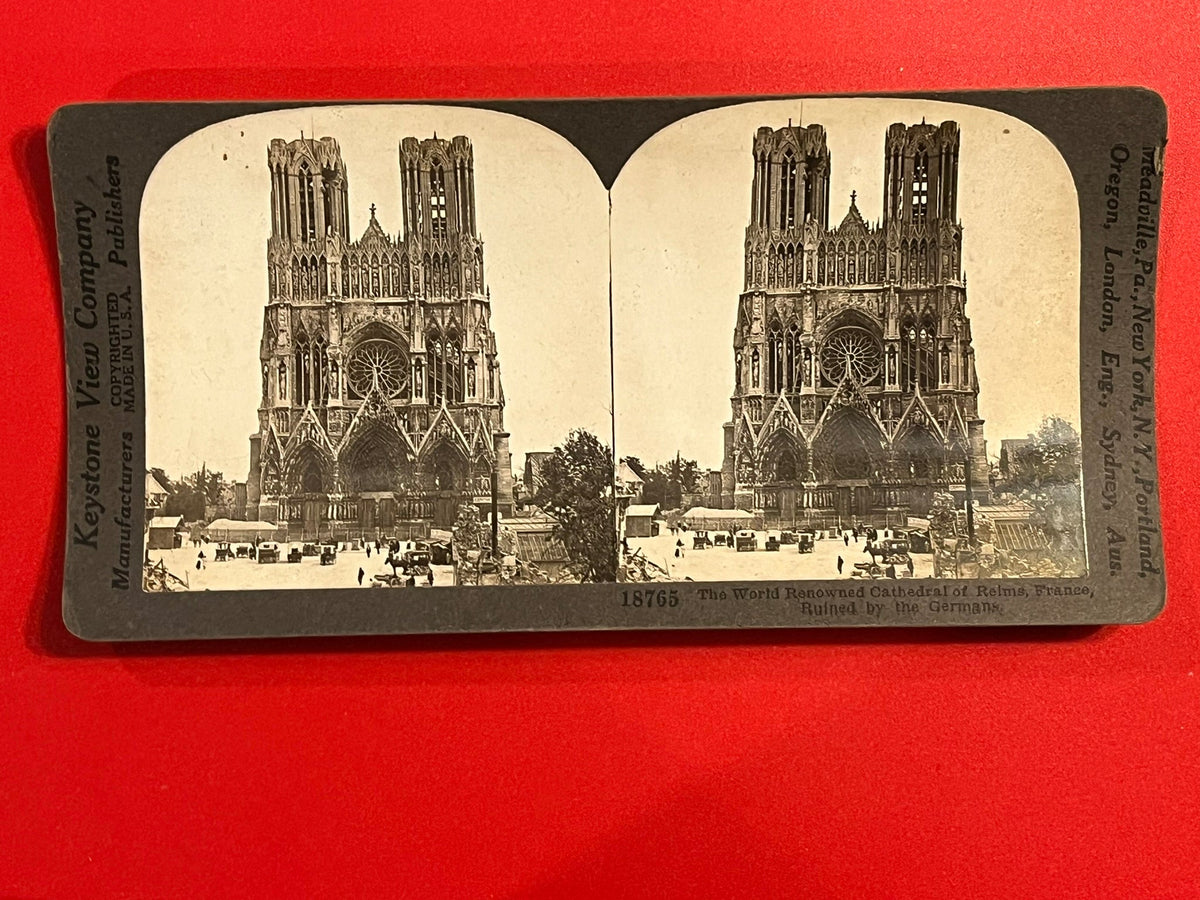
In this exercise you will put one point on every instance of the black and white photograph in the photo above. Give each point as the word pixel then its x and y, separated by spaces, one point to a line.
pixel 377 354
pixel 846 345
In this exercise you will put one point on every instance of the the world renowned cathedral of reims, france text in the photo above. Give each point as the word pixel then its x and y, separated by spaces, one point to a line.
pixel 382 406
pixel 855 391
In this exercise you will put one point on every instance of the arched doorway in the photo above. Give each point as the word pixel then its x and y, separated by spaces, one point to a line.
pixel 373 468
pixel 308 477
pixel 448 474
pixel 784 466
pixel 845 456
pixel 921 458
pixel 310 482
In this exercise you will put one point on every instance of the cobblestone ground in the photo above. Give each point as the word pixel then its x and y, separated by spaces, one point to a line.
pixel 786 564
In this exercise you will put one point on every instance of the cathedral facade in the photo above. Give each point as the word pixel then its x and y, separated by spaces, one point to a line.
pixel 855 395
pixel 382 409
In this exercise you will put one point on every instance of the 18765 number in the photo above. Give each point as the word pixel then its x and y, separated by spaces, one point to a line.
pixel 662 597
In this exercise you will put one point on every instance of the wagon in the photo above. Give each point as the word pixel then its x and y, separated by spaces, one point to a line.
pixel 894 551
pixel 268 552
pixel 701 540
pixel 787 537
pixel 918 541
pixel 328 554
pixel 805 541
pixel 772 542
pixel 418 556
pixel 720 539
pixel 745 540
pixel 295 554
pixel 223 553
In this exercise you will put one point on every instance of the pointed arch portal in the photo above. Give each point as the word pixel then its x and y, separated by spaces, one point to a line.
pixel 374 462
pixel 847 447
pixel 784 459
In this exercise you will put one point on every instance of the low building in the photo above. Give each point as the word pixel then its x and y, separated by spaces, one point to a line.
pixel 1017 528
pixel 532 540
pixel 242 532
pixel 639 520
pixel 701 518
pixel 164 532
pixel 156 494
pixel 629 483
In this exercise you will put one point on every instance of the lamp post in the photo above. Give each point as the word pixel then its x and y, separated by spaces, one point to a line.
pixel 970 499
pixel 495 514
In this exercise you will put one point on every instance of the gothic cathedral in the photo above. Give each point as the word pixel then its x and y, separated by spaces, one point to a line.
pixel 855 396
pixel 382 408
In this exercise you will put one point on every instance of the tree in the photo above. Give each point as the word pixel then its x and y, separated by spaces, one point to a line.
pixel 667 482
pixel 192 494
pixel 577 490
pixel 659 489
pixel 213 485
pixel 1051 456
pixel 1047 475
pixel 185 500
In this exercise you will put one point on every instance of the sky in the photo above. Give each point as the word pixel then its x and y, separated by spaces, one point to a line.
pixel 680 210
pixel 542 213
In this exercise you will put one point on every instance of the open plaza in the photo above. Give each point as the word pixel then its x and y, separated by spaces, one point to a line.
pixel 724 563
pixel 242 573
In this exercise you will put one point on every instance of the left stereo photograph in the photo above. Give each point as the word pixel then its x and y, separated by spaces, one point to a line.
pixel 355 319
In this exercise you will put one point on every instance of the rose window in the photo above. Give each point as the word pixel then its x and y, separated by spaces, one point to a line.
pixel 854 350
pixel 377 366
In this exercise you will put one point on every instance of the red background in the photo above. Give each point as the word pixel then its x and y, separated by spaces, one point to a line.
pixel 1005 763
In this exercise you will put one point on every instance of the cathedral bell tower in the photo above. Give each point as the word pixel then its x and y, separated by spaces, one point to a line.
pixel 308 190
pixel 437 186
pixel 920 173
pixel 790 192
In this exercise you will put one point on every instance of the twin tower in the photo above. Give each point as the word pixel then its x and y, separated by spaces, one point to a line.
pixel 382 410
pixel 855 395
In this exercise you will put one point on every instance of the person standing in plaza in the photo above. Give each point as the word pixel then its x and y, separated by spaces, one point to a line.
pixel 840 563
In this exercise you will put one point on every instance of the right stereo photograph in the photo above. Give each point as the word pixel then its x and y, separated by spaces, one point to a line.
pixel 846 340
